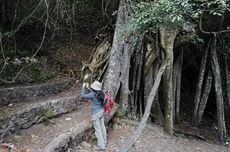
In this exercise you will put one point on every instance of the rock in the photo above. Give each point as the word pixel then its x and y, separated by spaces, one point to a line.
pixel 11 124
pixel 68 119
pixel 16 137
pixel 28 93
pixel 60 143
pixel 13 118
pixel 86 145
pixel 10 105
pixel 6 134
pixel 116 126
pixel 79 147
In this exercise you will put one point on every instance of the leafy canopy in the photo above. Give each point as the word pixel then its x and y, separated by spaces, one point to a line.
pixel 149 15
pixel 174 13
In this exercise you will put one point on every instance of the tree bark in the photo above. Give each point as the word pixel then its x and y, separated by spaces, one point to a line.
pixel 227 79
pixel 156 109
pixel 226 71
pixel 204 97
pixel 142 124
pixel 199 84
pixel 150 72
pixel 112 79
pixel 218 90
pixel 168 36
pixel 125 77
pixel 134 43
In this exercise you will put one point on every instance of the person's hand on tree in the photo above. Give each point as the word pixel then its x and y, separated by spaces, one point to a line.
pixel 85 85
pixel 86 77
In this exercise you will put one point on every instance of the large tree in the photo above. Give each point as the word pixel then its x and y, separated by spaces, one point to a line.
pixel 164 21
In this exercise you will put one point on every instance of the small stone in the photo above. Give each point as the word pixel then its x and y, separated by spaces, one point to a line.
pixel 13 118
pixel 10 105
pixel 11 124
pixel 83 150
pixel 6 134
pixel 12 129
pixel 86 145
pixel 16 137
pixel 34 137
pixel 68 119
pixel 115 126
pixel 79 147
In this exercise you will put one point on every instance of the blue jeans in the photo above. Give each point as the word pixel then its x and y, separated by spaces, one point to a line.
pixel 100 130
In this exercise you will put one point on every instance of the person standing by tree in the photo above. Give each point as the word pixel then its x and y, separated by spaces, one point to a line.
pixel 96 95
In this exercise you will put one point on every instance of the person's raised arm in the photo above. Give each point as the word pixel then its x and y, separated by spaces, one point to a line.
pixel 85 94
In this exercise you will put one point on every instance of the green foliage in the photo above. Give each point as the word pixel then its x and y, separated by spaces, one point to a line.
pixel 7 34
pixel 214 6
pixel 174 13
pixel 149 15
pixel 121 115
pixel 37 71
pixel 47 114
pixel 38 74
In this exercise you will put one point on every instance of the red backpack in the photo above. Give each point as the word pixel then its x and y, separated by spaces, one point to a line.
pixel 108 102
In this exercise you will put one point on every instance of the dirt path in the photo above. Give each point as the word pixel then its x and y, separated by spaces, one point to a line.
pixel 153 139
pixel 34 139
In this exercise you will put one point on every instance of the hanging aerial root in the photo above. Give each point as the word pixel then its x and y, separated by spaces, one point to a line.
pixel 99 57
pixel 142 124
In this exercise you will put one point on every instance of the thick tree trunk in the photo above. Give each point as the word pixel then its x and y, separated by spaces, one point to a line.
pixel 142 124
pixel 204 97
pixel 199 84
pixel 112 79
pixel 133 44
pixel 218 90
pixel 167 40
pixel 118 72
pixel 125 77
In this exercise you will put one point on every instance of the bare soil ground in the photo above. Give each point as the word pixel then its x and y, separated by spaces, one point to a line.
pixel 153 139
pixel 34 139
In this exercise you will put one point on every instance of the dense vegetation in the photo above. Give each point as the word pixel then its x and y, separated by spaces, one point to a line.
pixel 31 29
